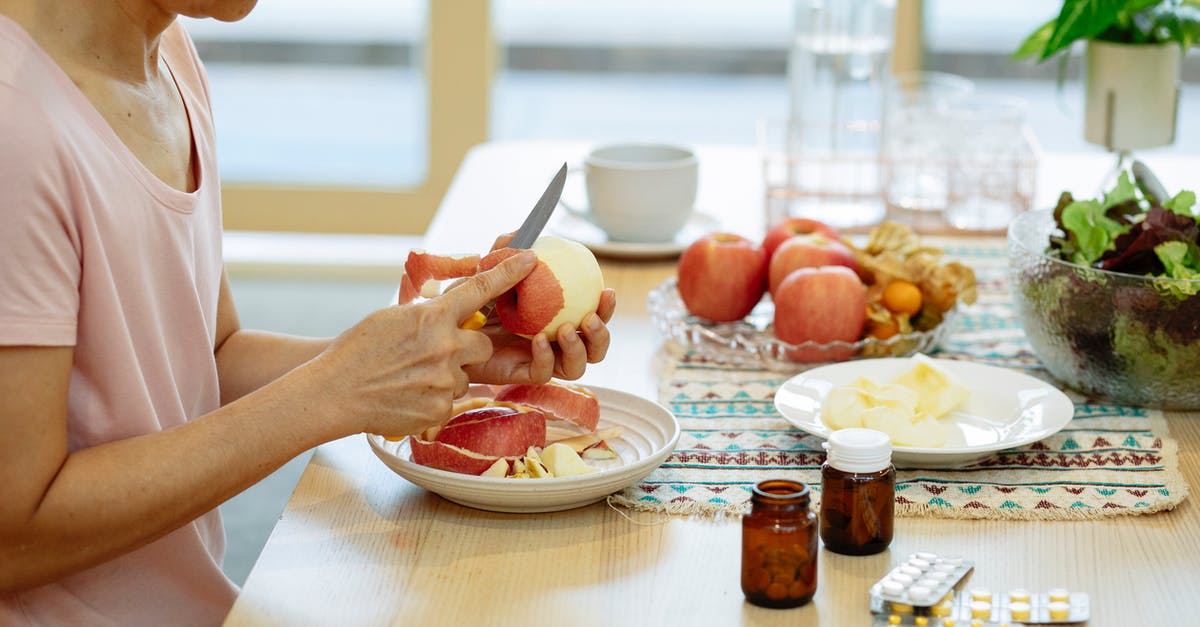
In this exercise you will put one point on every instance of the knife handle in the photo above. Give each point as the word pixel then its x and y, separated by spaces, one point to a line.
pixel 474 323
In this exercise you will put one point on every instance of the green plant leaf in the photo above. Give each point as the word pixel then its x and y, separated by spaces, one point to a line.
pixel 1035 44
pixel 1081 19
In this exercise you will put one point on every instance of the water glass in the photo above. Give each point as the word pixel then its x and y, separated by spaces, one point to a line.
pixel 993 163
pixel 916 167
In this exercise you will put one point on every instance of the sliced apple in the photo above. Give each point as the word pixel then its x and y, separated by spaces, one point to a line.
pixel 449 457
pixel 498 431
pixel 559 401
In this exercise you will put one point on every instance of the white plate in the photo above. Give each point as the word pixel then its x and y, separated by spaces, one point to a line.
pixel 568 225
pixel 649 435
pixel 1005 408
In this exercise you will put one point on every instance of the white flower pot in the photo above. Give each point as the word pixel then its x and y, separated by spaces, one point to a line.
pixel 1132 94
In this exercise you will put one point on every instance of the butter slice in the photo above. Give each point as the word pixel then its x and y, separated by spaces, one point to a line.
pixel 938 393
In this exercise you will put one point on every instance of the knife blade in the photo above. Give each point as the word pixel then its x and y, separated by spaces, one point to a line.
pixel 526 235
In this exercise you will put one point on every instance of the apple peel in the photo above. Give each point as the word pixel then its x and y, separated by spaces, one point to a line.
pixel 421 267
pixel 558 401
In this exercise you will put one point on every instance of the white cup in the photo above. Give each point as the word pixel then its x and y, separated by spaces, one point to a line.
pixel 639 192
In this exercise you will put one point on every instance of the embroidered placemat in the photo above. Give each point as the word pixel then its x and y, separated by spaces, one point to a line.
pixel 1110 460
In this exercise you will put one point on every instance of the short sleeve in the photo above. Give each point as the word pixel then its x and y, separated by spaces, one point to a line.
pixel 40 263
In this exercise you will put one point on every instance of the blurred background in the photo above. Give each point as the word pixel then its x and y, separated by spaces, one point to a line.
pixel 351 117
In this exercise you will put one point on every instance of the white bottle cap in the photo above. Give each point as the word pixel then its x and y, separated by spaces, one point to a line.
pixel 858 450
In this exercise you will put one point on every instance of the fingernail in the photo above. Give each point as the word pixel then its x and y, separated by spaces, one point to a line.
pixel 541 342
pixel 592 323
pixel 527 259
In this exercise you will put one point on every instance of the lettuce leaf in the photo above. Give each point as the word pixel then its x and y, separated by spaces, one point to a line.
pixel 1181 260
pixel 1182 203
pixel 1092 231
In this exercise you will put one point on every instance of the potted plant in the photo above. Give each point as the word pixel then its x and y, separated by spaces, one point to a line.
pixel 1134 53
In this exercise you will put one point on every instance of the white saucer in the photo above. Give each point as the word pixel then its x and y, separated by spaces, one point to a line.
pixel 568 225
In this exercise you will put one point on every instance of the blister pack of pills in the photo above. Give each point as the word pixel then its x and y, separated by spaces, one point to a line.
pixel 924 580
pixel 924 591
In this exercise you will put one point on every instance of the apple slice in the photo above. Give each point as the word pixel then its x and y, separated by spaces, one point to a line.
pixel 449 457
pixel 498 431
pixel 559 401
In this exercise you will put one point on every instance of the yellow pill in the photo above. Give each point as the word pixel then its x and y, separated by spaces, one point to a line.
pixel 1059 610
pixel 976 623
pixel 1019 610
pixel 1060 595
pixel 941 609
pixel 1018 596
pixel 920 621
pixel 475 322
pixel 980 594
pixel 893 620
pixel 949 622
pixel 981 609
pixel 902 608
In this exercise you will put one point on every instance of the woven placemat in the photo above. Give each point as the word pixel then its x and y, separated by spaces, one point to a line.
pixel 1109 460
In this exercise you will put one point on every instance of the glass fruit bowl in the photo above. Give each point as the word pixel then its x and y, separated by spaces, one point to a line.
pixel 750 343
pixel 1127 338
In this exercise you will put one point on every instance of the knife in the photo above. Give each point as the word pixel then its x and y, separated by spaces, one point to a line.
pixel 526 235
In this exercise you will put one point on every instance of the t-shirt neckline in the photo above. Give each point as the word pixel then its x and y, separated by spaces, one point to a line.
pixel 173 198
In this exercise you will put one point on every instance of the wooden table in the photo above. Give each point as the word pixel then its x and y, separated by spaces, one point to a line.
pixel 358 545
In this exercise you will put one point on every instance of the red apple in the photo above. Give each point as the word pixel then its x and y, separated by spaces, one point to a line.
pixel 559 401
pixel 721 276
pixel 495 431
pixel 563 288
pixel 810 250
pixel 778 233
pixel 825 304
pixel 472 440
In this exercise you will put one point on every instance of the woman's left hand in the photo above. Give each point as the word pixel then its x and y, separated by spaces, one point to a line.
pixel 516 359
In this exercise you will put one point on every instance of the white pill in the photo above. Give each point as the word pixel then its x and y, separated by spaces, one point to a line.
pixel 919 563
pixel 893 587
pixel 928 557
pixel 937 575
pixel 920 593
pixel 901 578
pixel 910 571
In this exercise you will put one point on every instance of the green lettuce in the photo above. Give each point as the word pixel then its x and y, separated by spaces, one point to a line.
pixel 1093 231
pixel 1182 203
pixel 1181 260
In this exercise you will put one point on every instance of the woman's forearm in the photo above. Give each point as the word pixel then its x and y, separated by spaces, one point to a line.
pixel 248 360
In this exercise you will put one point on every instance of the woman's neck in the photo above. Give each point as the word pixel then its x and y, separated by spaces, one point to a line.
pixel 114 38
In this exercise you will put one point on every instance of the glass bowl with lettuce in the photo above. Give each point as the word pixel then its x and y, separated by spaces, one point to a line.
pixel 1108 292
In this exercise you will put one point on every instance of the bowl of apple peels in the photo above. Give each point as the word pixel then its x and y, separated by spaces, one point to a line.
pixel 807 295
pixel 1108 292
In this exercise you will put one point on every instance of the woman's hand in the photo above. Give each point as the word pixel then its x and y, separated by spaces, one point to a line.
pixel 399 370
pixel 516 359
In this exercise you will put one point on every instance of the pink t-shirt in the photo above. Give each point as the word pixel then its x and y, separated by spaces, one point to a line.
pixel 98 253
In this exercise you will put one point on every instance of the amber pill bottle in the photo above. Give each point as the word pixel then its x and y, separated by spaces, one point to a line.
pixel 858 492
pixel 779 545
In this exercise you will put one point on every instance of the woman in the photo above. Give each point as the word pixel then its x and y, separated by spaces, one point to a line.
pixel 131 402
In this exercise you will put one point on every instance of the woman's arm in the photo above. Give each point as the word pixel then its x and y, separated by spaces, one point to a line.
pixel 248 360
pixel 395 372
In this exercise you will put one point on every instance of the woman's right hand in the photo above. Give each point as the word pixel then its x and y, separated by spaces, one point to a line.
pixel 399 370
